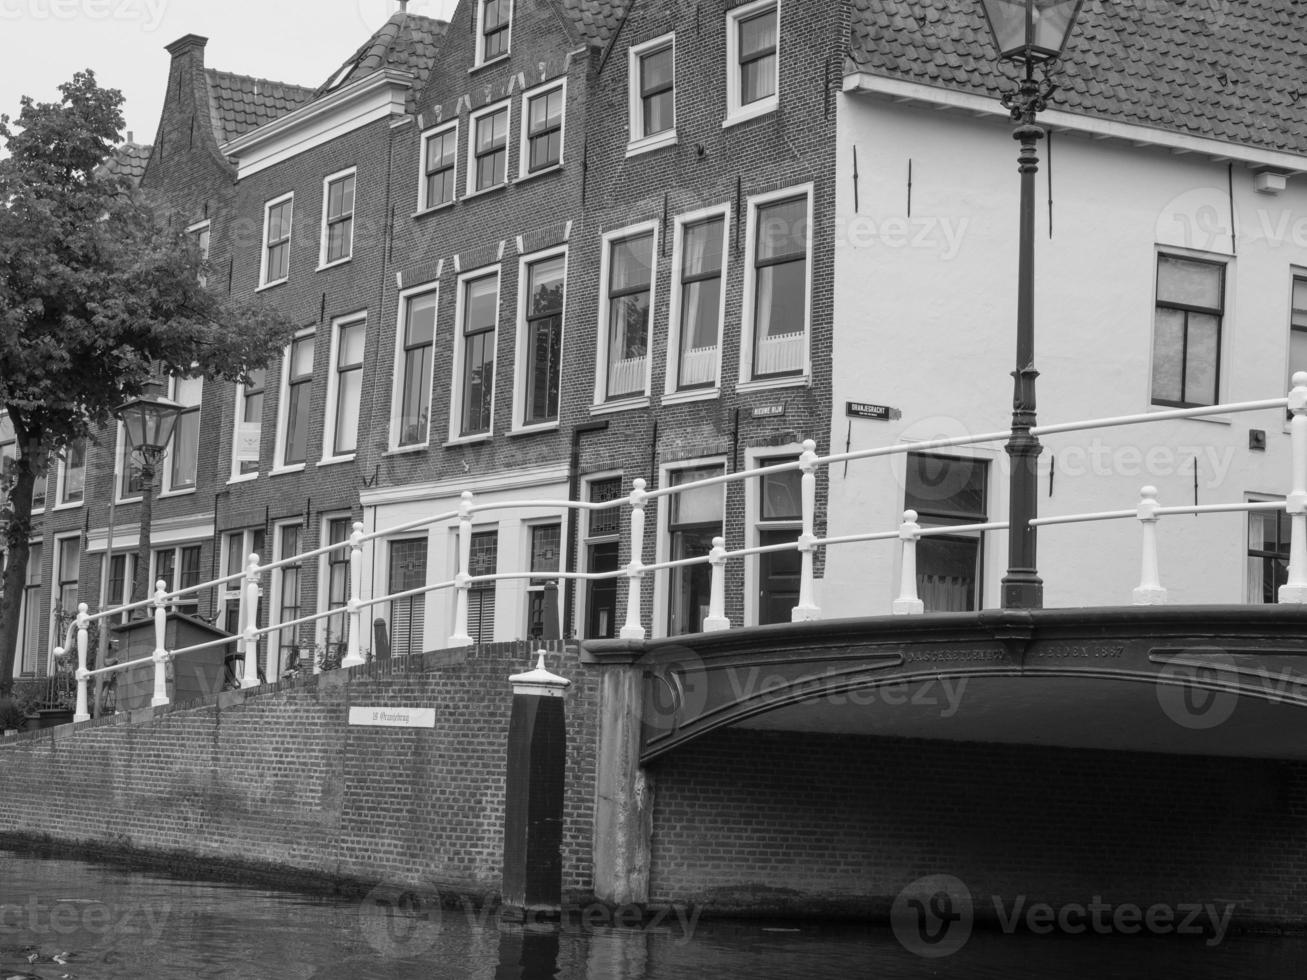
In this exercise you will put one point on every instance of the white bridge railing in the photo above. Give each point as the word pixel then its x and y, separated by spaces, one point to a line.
pixel 1148 511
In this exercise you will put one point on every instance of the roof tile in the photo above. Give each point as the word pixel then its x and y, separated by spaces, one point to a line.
pixel 241 103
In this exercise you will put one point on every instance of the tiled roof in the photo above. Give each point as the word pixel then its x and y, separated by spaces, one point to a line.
pixel 240 103
pixel 127 160
pixel 595 20
pixel 407 42
pixel 1235 72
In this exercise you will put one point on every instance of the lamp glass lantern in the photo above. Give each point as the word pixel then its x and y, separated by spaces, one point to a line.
pixel 1031 31
pixel 149 423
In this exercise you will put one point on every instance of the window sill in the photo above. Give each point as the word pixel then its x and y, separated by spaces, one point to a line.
pixel 188 492
pixel 242 478
pixel 754 111
pixel 438 207
pixel 271 285
pixel 530 430
pixel 555 168
pixel 407 450
pixel 283 470
pixel 72 506
pixel 647 144
pixel 128 501
pixel 488 190
pixel 335 460
pixel 469 440
pixel 764 384
pixel 493 61
pixel 692 395
pixel 322 266
pixel 622 405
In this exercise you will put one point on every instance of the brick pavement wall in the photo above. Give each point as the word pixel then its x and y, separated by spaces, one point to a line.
pixel 785 821
pixel 282 780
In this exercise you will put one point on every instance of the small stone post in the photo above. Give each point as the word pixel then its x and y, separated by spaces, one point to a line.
pixel 1295 505
pixel 83 625
pixel 251 678
pixel 1150 591
pixel 161 657
pixel 353 655
pixel 460 637
pixel 807 609
pixel 633 630
pixel 909 603
pixel 716 620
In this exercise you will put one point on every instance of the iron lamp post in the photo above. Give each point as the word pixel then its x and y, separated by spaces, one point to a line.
pixel 148 424
pixel 1031 33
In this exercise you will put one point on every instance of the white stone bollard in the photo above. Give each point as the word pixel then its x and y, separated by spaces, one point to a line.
pixel 908 603
pixel 807 610
pixel 354 655
pixel 1295 505
pixel 83 712
pixel 161 656
pixel 462 583
pixel 716 620
pixel 251 678
pixel 634 630
pixel 1150 591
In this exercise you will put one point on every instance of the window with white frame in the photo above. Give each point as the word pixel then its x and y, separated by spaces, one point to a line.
pixel 179 568
pixel 184 450
pixel 488 149
pixel 652 95
pixel 602 544
pixel 1268 554
pixel 545 558
pixel 200 233
pixel 1187 331
pixel 72 474
pixel 698 303
pixel 439 166
pixel 694 518
pixel 9 459
pixel 542 128
pixel 484 560
pixel 1298 327
pixel 417 332
pixel 29 629
pixel 249 425
pixel 237 546
pixel 777 300
pixel 478 312
pixel 334 591
pixel 296 384
pixel 752 62
pixel 337 217
pixel 625 305
pixel 948 490
pixel 67 571
pixel 119 575
pixel 494 26
pixel 130 485
pixel 277 216
pixel 287 583
pixel 345 390
pixel 540 349
pixel 408 570
pixel 779 519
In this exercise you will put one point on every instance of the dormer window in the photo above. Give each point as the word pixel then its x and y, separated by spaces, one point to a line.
pixel 496 18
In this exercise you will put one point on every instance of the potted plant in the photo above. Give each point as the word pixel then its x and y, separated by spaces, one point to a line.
pixel 12 716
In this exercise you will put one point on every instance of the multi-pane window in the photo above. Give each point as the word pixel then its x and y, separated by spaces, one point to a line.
pixel 481 595
pixel 249 419
pixel 546 552
pixel 69 555
pixel 414 403
pixel 295 415
pixel 29 633
pixel 480 310
pixel 338 218
pixel 544 339
pixel 119 582
pixel 72 482
pixel 290 607
pixel 701 302
pixel 347 386
pixel 130 484
pixel 780 287
pixel 1268 555
pixel 337 588
pixel 489 149
pixel 1298 328
pixel 408 570
pixel 167 562
pixel 440 155
pixel 1187 331
pixel 653 95
pixel 780 520
pixel 496 19
pixel 946 490
pixel 276 240
pixel 753 66
pixel 630 283
pixel 694 519
pixel 543 143
pixel 184 450
pixel 601 547
pixel 237 548
pixel 200 233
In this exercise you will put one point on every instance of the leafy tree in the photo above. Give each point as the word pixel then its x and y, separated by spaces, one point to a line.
pixel 97 295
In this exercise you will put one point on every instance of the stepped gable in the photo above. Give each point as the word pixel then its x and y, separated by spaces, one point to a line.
pixel 407 42
pixel 127 161
pixel 240 103
pixel 1235 72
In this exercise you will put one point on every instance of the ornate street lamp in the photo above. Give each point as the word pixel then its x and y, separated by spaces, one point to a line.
pixel 1030 33
pixel 148 423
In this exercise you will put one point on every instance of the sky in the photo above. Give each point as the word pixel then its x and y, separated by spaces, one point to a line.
pixel 44 42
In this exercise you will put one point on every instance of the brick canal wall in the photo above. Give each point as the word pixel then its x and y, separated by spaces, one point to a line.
pixel 282 779
pixel 784 820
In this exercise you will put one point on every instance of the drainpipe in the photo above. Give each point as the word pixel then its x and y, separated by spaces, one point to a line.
pixel 573 525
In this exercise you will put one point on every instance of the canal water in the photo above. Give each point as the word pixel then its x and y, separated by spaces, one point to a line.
pixel 73 920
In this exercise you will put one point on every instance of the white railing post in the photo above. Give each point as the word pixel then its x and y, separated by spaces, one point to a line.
pixel 633 630
pixel 908 603
pixel 161 656
pixel 462 583
pixel 251 590
pixel 1295 505
pixel 353 655
pixel 807 610
pixel 1150 591
pixel 83 625
pixel 717 620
